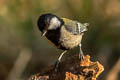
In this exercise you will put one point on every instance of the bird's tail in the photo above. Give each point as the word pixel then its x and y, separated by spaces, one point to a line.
pixel 84 27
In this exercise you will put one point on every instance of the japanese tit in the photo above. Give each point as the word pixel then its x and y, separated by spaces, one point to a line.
pixel 63 33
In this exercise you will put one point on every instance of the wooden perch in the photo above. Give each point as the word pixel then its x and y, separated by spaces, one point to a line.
pixel 72 69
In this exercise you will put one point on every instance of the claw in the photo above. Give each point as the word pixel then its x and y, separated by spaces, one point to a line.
pixel 58 61
pixel 81 55
pixel 57 65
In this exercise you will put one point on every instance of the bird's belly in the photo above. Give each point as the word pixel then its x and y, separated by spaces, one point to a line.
pixel 63 39
pixel 69 40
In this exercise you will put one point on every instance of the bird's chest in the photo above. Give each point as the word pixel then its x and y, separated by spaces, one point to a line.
pixel 68 40
pixel 53 37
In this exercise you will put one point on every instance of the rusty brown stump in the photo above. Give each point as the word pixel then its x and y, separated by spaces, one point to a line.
pixel 71 69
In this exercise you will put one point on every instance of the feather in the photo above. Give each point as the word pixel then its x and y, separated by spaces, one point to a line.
pixel 74 27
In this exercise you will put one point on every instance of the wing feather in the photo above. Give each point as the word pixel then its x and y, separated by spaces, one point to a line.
pixel 75 27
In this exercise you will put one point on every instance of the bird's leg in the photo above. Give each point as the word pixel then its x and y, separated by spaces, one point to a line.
pixel 81 55
pixel 58 61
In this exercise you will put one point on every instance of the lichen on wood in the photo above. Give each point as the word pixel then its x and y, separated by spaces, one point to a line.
pixel 72 69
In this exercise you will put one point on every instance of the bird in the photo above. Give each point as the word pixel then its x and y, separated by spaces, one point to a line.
pixel 63 33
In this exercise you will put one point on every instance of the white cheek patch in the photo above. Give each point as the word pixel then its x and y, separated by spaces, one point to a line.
pixel 54 23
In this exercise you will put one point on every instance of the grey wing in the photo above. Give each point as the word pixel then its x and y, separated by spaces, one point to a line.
pixel 76 27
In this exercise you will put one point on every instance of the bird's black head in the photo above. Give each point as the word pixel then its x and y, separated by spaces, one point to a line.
pixel 48 22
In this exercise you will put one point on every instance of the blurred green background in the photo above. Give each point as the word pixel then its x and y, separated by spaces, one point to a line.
pixel 22 50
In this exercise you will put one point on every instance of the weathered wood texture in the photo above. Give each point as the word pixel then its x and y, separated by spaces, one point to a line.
pixel 72 69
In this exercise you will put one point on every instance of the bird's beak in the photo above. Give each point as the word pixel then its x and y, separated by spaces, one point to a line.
pixel 44 33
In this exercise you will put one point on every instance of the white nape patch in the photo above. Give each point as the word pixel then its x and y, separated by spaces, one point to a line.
pixel 54 23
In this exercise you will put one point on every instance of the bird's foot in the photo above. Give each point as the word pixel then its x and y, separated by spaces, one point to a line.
pixel 57 66
pixel 81 57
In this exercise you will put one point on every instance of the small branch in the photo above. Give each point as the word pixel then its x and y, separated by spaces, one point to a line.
pixel 72 69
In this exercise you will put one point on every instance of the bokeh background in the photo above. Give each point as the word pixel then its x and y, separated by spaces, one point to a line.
pixel 23 52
